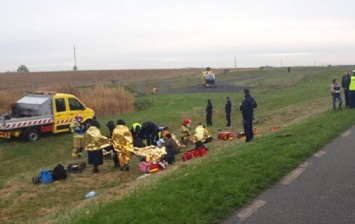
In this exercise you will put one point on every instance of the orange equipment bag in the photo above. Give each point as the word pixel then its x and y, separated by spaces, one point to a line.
pixel 225 135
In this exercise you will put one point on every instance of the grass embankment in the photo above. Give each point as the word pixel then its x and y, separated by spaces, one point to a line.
pixel 209 189
pixel 230 175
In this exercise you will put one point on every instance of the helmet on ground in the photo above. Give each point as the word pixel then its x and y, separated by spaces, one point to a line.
pixel 187 121
pixel 78 117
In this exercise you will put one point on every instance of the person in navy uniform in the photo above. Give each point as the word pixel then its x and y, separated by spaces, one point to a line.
pixel 345 83
pixel 247 109
pixel 209 109
pixel 228 109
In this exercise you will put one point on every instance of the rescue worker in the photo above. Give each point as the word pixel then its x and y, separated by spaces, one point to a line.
pixel 345 83
pixel 78 130
pixel 352 91
pixel 201 134
pixel 158 134
pixel 136 129
pixel 122 141
pixel 209 113
pixel 228 109
pixel 95 142
pixel 247 108
pixel 185 131
pixel 149 132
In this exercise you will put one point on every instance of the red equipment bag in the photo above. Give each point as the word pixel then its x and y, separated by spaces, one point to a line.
pixel 196 153
pixel 187 156
pixel 153 168
pixel 202 151
pixel 225 135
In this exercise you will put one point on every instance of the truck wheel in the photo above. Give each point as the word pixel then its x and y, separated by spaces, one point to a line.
pixel 87 124
pixel 32 135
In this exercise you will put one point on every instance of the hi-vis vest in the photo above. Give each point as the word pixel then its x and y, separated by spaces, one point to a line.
pixel 352 83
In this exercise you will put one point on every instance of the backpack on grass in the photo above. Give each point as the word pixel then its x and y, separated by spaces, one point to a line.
pixel 46 177
pixel 59 172
pixel 76 167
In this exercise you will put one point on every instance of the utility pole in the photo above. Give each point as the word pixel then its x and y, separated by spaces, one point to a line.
pixel 75 68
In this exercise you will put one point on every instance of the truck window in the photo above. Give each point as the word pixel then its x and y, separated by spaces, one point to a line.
pixel 74 104
pixel 60 104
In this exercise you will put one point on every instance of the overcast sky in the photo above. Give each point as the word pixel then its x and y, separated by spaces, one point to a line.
pixel 135 34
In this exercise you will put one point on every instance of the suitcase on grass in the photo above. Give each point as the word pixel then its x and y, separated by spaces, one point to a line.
pixel 225 135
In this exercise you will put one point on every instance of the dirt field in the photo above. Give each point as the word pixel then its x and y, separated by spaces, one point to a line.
pixel 24 81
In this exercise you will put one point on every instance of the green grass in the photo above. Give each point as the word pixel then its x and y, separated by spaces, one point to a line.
pixel 206 190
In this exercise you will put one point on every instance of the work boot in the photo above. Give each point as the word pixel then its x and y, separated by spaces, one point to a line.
pixel 95 170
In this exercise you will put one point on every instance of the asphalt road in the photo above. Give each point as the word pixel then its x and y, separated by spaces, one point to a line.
pixel 222 86
pixel 321 190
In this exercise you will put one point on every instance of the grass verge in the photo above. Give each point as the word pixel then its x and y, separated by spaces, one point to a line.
pixel 209 191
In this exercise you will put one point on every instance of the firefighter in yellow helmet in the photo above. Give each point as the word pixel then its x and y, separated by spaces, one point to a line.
pixel 78 130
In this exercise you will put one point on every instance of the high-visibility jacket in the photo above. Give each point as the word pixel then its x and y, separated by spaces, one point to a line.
pixel 135 126
pixel 352 83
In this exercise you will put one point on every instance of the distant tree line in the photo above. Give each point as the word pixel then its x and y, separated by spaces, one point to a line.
pixel 22 68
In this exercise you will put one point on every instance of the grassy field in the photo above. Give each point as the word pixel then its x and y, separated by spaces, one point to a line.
pixel 205 190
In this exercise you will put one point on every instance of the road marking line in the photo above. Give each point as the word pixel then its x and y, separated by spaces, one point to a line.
pixel 346 134
pixel 248 211
pixel 294 174
pixel 320 154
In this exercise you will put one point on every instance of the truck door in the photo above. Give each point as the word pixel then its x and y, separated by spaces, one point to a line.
pixel 75 107
pixel 61 120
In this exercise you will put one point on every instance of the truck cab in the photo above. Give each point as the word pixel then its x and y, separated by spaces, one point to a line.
pixel 43 111
pixel 66 106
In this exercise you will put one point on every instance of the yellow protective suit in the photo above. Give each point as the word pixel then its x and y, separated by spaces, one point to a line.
pixel 77 128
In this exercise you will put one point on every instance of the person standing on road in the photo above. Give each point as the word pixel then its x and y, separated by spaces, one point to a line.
pixel 247 108
pixel 345 83
pixel 228 109
pixel 335 90
pixel 209 113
